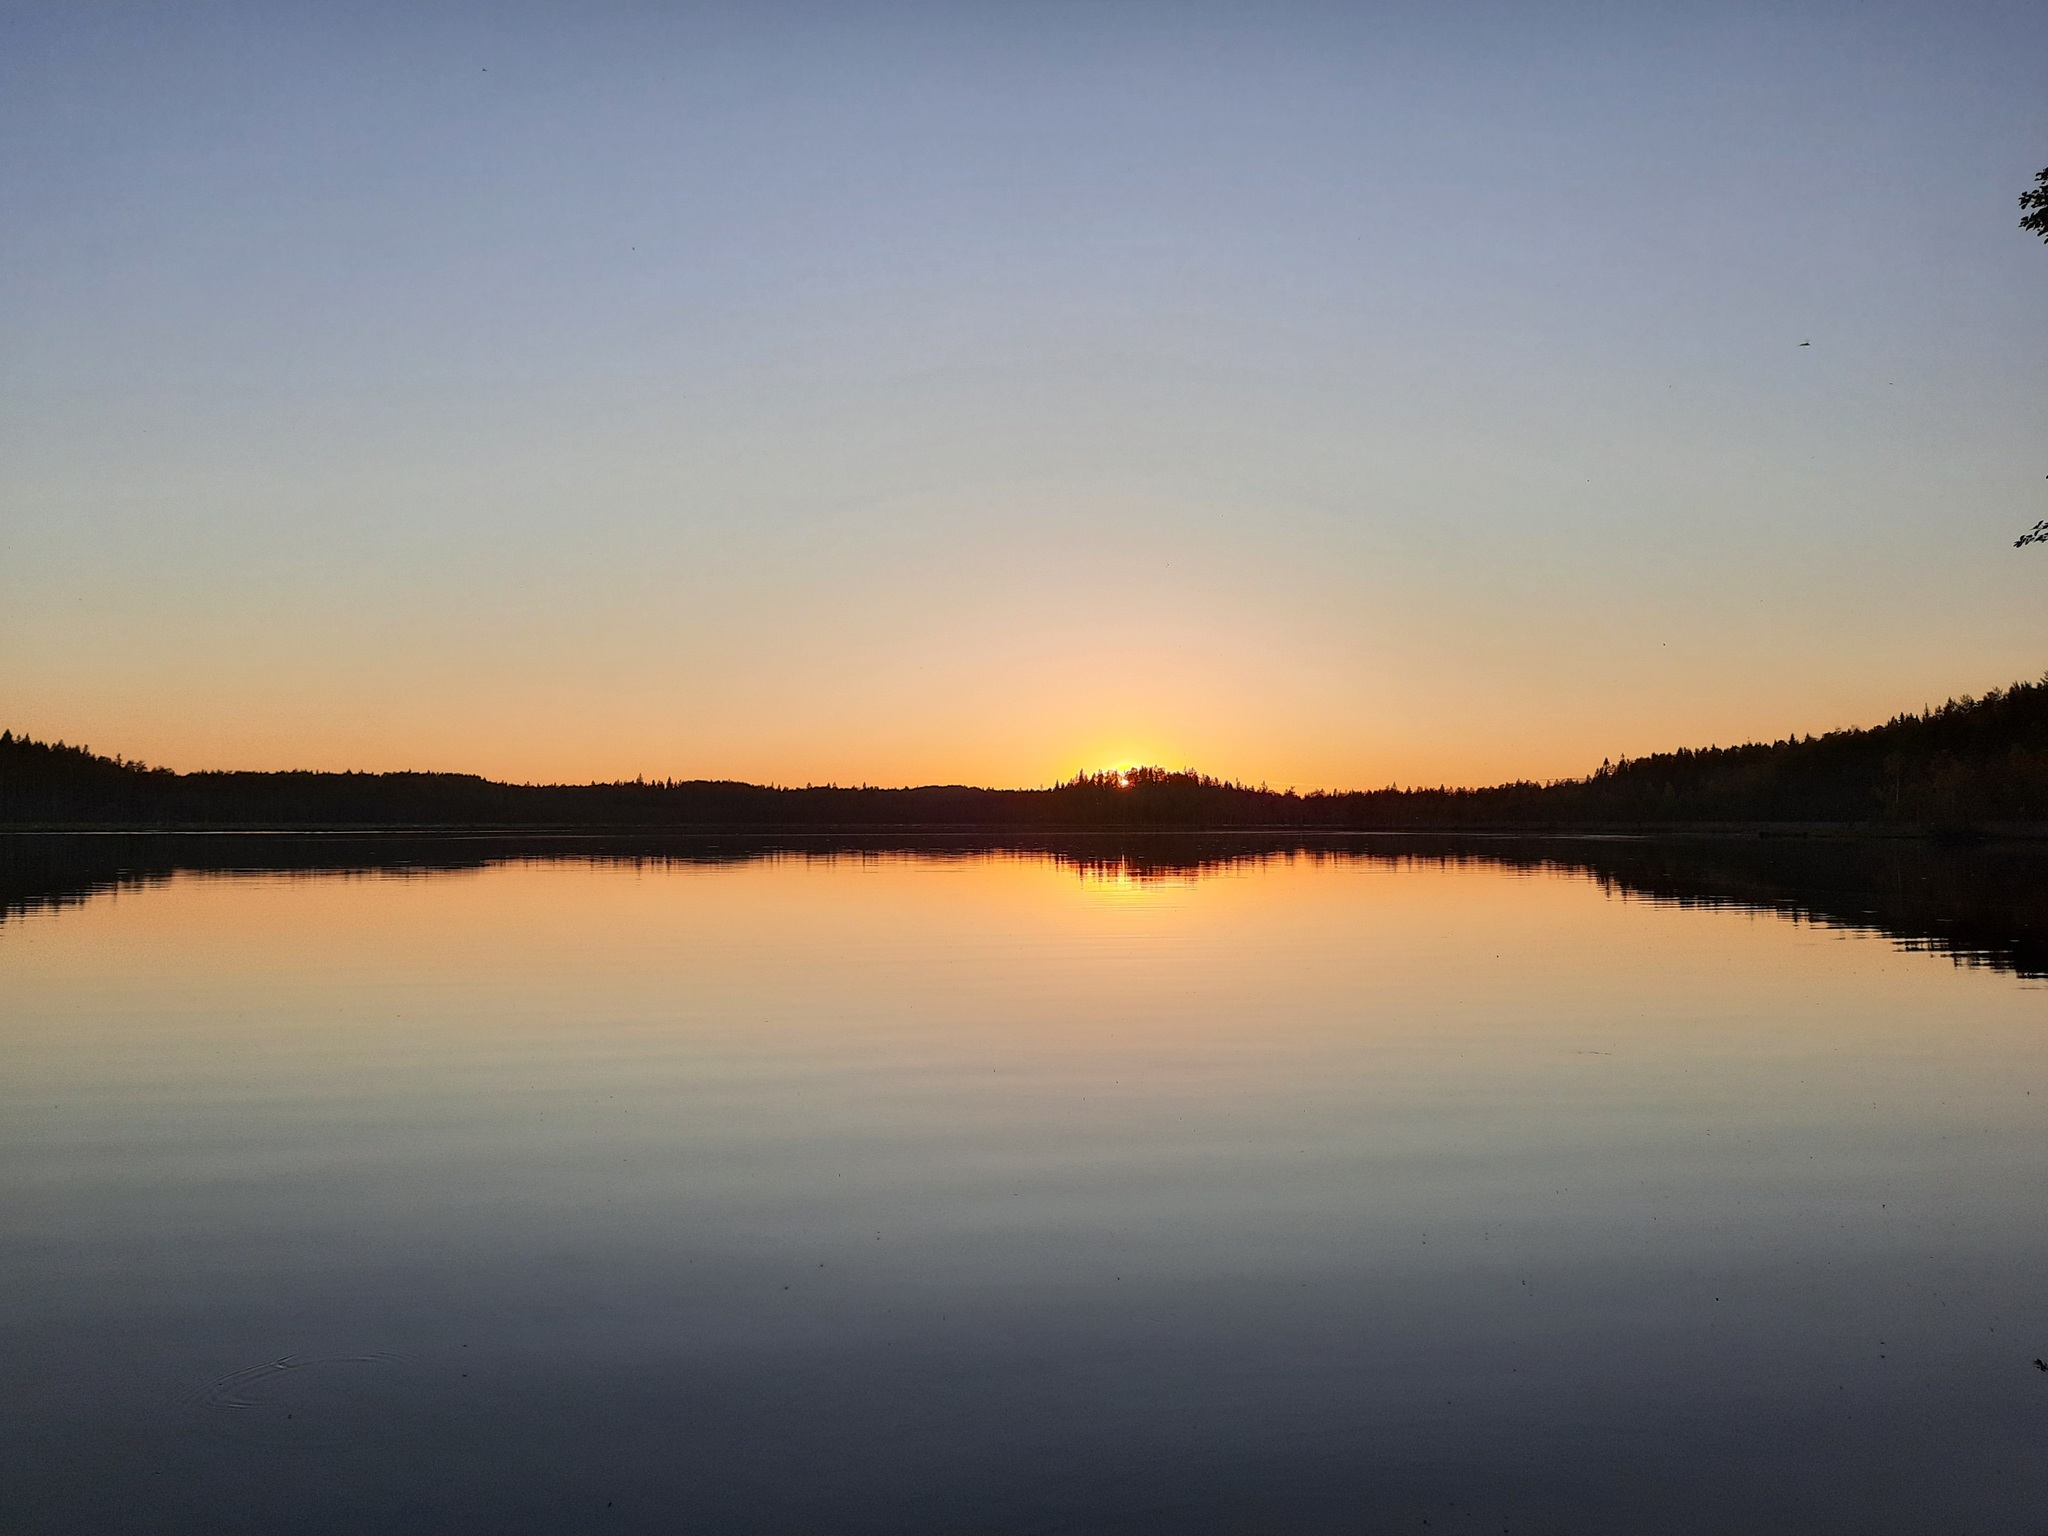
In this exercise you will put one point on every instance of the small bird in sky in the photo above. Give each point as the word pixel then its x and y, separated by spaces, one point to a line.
pixel 1806 343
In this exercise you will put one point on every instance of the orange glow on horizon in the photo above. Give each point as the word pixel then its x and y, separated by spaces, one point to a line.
pixel 997 744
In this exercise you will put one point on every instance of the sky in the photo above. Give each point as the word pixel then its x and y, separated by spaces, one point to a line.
pixel 1317 395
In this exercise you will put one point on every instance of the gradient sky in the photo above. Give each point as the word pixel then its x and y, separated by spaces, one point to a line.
pixel 1323 395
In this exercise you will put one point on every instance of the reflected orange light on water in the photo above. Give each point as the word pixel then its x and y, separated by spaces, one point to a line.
pixel 1372 1098
pixel 1037 958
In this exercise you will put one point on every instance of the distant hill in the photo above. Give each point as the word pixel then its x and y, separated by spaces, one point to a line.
pixel 1972 762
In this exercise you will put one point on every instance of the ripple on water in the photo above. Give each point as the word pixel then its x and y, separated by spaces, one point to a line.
pixel 305 1402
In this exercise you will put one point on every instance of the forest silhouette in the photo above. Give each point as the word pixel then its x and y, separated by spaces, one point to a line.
pixel 1970 763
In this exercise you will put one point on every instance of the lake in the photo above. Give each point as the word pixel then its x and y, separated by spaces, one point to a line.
pixel 1183 1186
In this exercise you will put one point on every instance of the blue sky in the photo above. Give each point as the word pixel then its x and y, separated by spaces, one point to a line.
pixel 1322 395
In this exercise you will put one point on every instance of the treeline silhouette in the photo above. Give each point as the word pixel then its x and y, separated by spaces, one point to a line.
pixel 1983 904
pixel 1972 762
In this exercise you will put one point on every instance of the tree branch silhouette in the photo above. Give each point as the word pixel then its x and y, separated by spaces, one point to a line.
pixel 2034 205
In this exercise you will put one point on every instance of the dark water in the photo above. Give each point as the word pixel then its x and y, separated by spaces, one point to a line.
pixel 1192 1185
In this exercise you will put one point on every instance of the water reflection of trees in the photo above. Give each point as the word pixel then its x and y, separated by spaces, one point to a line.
pixel 1982 905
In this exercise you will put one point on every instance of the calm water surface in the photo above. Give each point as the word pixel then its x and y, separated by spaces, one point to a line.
pixel 1004 1194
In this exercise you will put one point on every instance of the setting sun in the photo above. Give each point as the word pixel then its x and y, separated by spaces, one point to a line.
pixel 931 768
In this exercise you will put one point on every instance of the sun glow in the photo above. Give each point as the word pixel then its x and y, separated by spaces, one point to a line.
pixel 1121 764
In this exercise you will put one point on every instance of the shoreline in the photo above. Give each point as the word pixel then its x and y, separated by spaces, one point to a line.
pixel 1830 831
